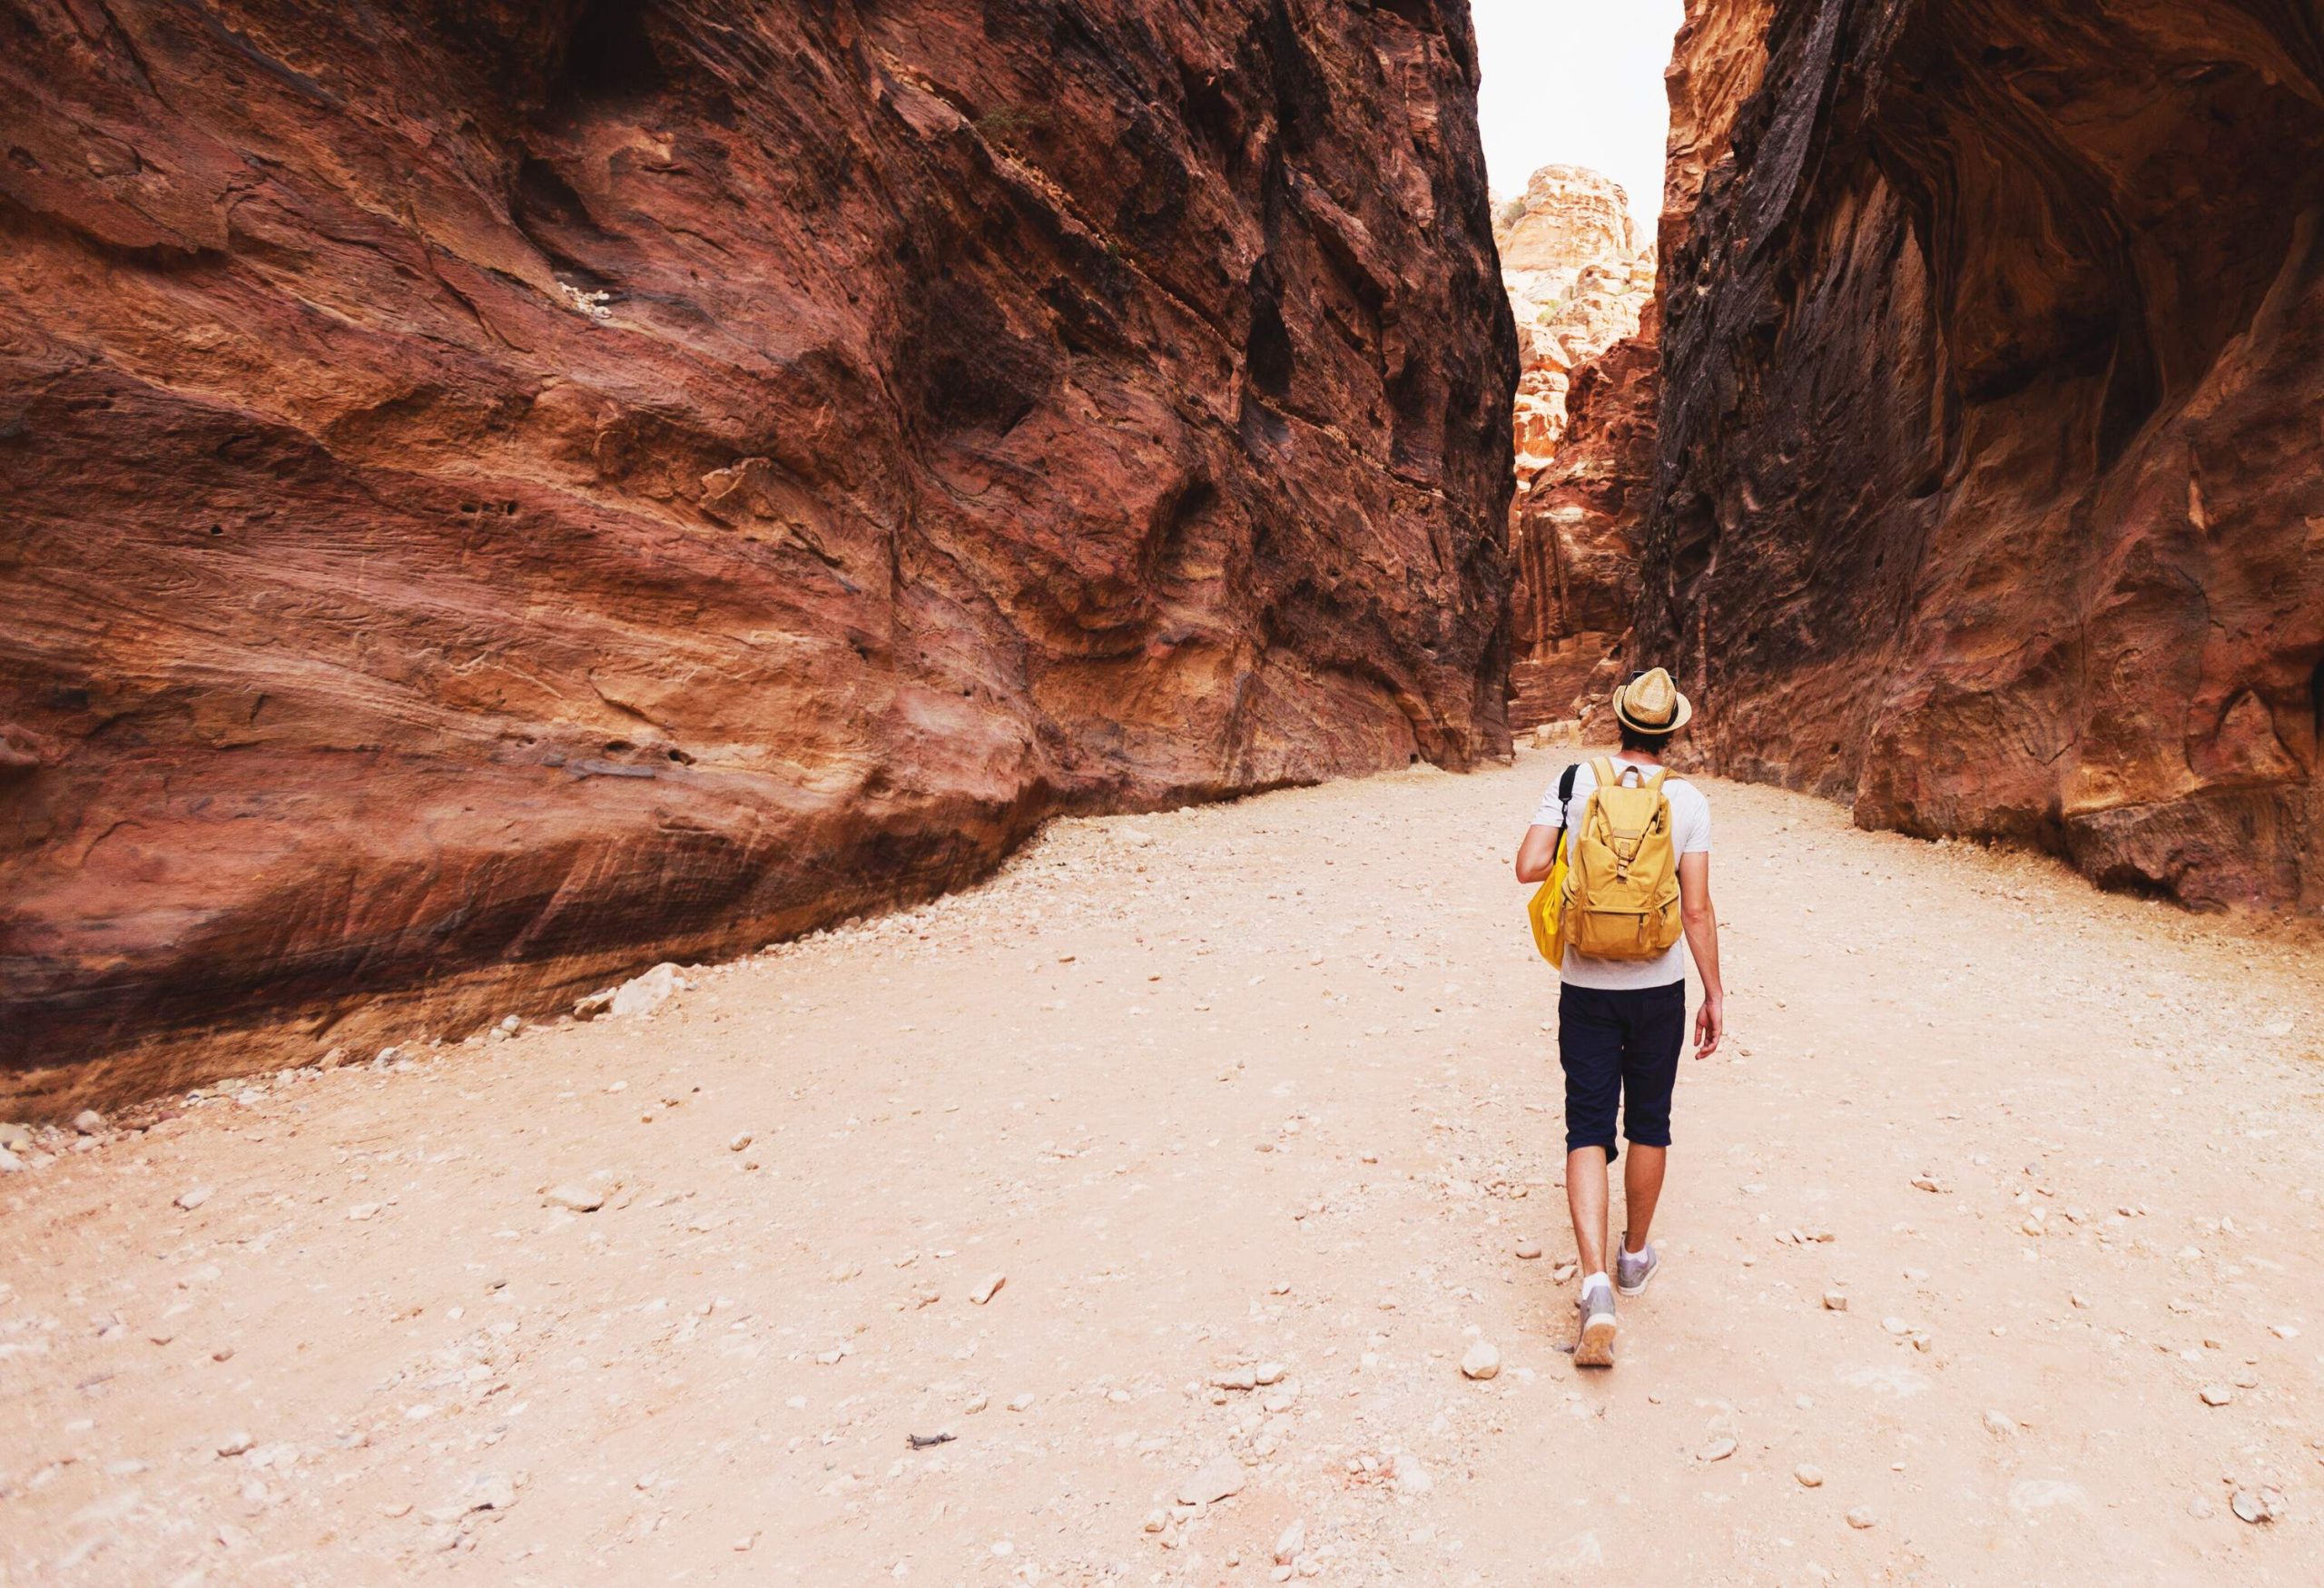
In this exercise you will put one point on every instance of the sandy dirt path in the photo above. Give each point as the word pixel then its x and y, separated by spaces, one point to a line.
pixel 1259 1095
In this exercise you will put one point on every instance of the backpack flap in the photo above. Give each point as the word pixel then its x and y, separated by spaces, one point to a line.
pixel 1621 897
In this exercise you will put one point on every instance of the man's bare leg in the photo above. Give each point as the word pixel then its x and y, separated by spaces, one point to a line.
pixel 1586 1195
pixel 1641 1190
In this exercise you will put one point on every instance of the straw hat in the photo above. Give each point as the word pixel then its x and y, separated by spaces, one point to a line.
pixel 1652 703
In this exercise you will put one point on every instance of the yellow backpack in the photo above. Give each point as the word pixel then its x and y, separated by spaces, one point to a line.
pixel 1621 900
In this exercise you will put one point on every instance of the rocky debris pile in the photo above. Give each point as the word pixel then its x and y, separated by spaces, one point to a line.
pixel 1986 500
pixel 1583 294
pixel 750 468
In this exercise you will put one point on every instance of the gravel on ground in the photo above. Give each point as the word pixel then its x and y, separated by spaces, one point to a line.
pixel 1183 1205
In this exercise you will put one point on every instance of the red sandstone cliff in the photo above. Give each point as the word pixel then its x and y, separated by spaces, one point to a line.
pixel 490 495
pixel 1994 358
pixel 1583 430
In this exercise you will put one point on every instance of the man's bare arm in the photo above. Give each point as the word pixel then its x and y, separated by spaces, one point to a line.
pixel 1701 923
pixel 1538 854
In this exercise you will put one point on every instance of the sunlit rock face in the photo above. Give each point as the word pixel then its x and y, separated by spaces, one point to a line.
pixel 1992 392
pixel 1567 219
pixel 495 495
pixel 1578 285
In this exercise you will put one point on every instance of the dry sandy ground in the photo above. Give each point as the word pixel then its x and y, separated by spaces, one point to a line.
pixel 1266 1087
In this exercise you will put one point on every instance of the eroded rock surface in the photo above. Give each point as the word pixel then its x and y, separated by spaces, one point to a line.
pixel 496 496
pixel 1994 364
pixel 1581 290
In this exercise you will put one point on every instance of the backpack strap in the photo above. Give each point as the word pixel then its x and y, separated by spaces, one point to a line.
pixel 1664 815
pixel 1565 798
pixel 1601 768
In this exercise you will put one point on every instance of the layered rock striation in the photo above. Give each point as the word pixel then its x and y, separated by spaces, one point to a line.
pixel 1581 290
pixel 491 496
pixel 1994 368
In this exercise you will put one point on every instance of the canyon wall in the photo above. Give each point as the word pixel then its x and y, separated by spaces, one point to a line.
pixel 1579 288
pixel 492 495
pixel 1992 391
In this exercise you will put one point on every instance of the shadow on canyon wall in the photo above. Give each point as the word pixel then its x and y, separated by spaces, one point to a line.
pixel 1987 496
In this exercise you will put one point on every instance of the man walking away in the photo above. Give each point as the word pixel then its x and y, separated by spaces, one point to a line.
pixel 1622 1011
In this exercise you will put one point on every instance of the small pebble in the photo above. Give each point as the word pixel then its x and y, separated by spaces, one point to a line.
pixel 1862 1517
pixel 2258 1505
pixel 1811 1477
pixel 1213 1484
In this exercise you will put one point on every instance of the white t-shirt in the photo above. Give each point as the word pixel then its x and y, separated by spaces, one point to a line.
pixel 1689 830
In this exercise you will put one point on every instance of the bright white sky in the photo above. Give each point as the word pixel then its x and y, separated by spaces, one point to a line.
pixel 1577 83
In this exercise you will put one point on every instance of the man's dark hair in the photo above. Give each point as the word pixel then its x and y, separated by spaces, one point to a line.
pixel 1640 740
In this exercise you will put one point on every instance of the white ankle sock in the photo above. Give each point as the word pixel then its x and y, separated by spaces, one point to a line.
pixel 1590 1280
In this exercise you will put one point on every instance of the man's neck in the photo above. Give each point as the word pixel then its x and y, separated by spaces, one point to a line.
pixel 1638 757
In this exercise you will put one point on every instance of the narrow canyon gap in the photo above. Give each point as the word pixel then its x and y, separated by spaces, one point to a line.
pixel 494 495
pixel 1583 293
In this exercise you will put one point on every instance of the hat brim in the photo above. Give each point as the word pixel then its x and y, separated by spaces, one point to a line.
pixel 1678 718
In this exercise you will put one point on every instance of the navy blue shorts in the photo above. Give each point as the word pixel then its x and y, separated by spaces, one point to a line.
pixel 1620 1046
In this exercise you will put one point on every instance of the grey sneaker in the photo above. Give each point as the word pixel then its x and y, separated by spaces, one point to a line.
pixel 1633 1269
pixel 1594 1347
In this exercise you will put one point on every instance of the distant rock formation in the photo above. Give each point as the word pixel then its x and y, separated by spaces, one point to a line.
pixel 1579 288
pixel 1987 497
pixel 1567 219
pixel 498 494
